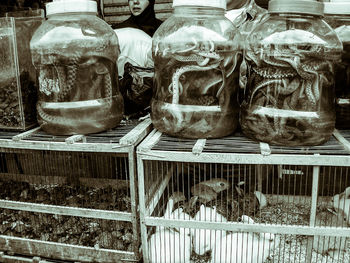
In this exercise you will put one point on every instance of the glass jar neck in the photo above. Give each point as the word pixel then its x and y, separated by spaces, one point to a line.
pixel 296 15
pixel 71 14
pixel 198 11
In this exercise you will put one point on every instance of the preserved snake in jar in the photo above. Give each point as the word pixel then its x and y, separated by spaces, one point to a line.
pixel 290 92
pixel 196 74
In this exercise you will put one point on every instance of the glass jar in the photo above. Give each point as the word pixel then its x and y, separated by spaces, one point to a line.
pixel 18 81
pixel 337 15
pixel 289 98
pixel 75 54
pixel 196 56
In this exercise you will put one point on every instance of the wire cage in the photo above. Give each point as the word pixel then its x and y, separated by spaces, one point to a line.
pixel 236 200
pixel 71 198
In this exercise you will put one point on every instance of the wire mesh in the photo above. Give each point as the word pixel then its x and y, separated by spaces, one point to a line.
pixel 207 197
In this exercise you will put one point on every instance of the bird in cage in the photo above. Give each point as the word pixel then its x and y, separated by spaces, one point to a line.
pixel 208 190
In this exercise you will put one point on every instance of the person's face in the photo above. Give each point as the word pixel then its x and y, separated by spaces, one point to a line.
pixel 235 4
pixel 138 6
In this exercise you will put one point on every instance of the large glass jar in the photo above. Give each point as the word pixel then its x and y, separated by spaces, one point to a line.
pixel 290 91
pixel 337 15
pixel 75 54
pixel 196 57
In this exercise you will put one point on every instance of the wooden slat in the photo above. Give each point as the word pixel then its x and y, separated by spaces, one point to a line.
pixel 199 146
pixel 25 134
pixel 60 251
pixel 62 180
pixel 342 140
pixel 137 134
pixel 66 210
pixel 256 227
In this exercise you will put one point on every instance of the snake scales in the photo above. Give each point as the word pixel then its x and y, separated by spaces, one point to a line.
pixel 197 99
pixel 289 97
pixel 66 85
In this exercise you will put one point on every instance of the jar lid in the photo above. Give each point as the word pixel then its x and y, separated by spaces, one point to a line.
pixel 71 6
pixel 311 7
pixel 206 3
pixel 337 8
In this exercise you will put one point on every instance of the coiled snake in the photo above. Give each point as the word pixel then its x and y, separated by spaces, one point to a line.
pixel 59 84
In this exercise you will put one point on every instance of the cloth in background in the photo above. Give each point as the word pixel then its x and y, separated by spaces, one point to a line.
pixel 135 47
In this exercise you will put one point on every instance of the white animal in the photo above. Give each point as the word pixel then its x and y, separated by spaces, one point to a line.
pixel 242 248
pixel 342 201
pixel 171 245
pixel 204 239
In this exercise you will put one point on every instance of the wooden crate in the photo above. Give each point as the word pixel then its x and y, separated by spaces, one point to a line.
pixel 71 198
pixel 297 182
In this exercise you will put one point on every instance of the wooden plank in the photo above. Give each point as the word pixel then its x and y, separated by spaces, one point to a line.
pixel 20 259
pixel 23 135
pixel 265 148
pixel 62 180
pixel 242 158
pixel 59 146
pixel 75 138
pixel 66 210
pixel 150 141
pixel 61 251
pixel 159 192
pixel 342 140
pixel 256 227
pixel 199 146
pixel 137 134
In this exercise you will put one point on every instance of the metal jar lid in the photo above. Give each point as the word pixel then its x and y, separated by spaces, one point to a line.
pixel 311 7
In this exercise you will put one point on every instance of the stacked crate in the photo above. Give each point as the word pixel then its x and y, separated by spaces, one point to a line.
pixel 71 198
pixel 279 204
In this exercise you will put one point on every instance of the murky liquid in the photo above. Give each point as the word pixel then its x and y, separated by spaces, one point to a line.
pixel 286 105
pixel 196 96
pixel 342 88
pixel 78 94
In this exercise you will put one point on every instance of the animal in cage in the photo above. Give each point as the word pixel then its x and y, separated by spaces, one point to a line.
pixel 208 190
pixel 204 239
pixel 328 244
pixel 342 201
pixel 243 247
pixel 171 244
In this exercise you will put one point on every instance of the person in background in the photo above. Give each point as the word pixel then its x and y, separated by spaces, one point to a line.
pixel 32 4
pixel 142 17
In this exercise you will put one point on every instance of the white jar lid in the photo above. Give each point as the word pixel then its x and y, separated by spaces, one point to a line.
pixel 71 6
pixel 205 3
pixel 337 8
pixel 311 7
